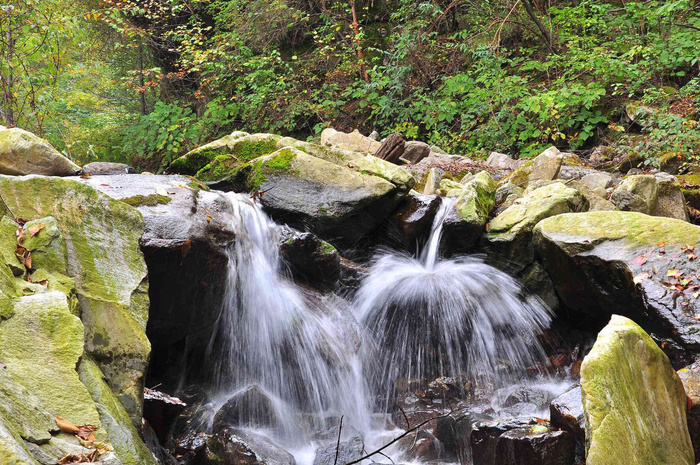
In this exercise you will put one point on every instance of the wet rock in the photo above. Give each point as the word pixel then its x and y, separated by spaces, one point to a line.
pixel 536 281
pixel 351 446
pixel 415 151
pixel 536 445
pixel 250 407
pixel 634 402
pixel 240 447
pixel 509 234
pixel 189 433
pixel 22 152
pixel 527 394
pixel 101 168
pixel 454 431
pixel 605 262
pixel 422 446
pixel 690 376
pixel 485 436
pixel 415 215
pixel 154 445
pixel 353 141
pixel 566 412
pixel 311 260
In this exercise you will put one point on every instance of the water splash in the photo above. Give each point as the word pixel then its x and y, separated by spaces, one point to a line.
pixel 460 317
pixel 296 347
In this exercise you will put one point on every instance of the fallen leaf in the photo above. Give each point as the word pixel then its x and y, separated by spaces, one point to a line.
pixel 161 191
pixel 654 269
pixel 640 277
pixel 85 175
pixel 692 256
pixel 661 244
pixel 36 228
pixel 689 247
pixel 639 261
pixel 674 273
pixel 67 426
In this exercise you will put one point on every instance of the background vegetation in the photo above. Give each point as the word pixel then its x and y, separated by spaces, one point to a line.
pixel 142 81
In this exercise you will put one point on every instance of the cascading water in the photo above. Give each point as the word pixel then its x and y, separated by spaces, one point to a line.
pixel 288 344
pixel 421 318
pixel 428 317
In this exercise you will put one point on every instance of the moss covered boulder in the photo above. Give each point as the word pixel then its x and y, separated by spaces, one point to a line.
pixel 22 152
pixel 509 235
pixel 633 400
pixel 626 263
pixel 544 167
pixel 307 192
pixel 466 221
pixel 103 256
pixel 240 147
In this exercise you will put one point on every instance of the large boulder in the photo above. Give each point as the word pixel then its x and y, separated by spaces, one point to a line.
pixel 353 141
pixel 633 400
pixel 250 407
pixel 626 263
pixel 510 234
pixel 415 151
pixel 658 195
pixel 22 152
pixel 186 236
pixel 307 192
pixel 103 256
pixel 535 445
pixel 544 167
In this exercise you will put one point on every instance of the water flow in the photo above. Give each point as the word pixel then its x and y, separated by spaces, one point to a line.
pixel 293 346
pixel 460 317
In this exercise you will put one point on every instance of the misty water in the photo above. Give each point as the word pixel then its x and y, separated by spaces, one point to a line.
pixel 319 358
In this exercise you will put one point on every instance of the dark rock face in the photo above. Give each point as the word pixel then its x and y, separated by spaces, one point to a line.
pixel 250 407
pixel 423 446
pixel 414 216
pixel 525 394
pixel 522 446
pixel 566 412
pixel 619 262
pixel 484 438
pixel 454 432
pixel 311 260
pixel 101 168
pixel 239 447
pixel 392 148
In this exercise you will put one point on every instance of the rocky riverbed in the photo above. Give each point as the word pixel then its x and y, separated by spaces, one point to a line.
pixel 112 283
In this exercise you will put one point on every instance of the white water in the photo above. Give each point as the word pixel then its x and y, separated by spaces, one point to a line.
pixel 460 317
pixel 423 318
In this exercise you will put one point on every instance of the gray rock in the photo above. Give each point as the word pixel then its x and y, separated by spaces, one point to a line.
pixel 415 214
pixel 566 412
pixel 351 446
pixel 568 172
pixel 636 193
pixel 670 201
pixel 353 141
pixel 101 168
pixel 501 161
pixel 22 152
pixel 415 151
pixel 598 182
pixel 432 183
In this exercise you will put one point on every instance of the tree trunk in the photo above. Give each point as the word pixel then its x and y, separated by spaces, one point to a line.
pixel 356 31
pixel 8 102
pixel 546 35
pixel 392 148
pixel 142 85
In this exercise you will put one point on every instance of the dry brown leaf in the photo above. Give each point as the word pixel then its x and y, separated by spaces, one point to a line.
pixel 661 244
pixel 36 228
pixel 185 248
pixel 639 261
pixel 674 273
pixel 654 269
pixel 692 256
pixel 66 426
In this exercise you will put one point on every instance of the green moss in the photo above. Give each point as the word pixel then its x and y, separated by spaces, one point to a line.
pixel 327 248
pixel 147 200
pixel 219 168
pixel 197 185
pixel 247 150
pixel 194 161
pixel 260 169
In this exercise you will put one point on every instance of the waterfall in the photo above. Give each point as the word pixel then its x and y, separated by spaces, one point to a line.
pixel 291 345
pixel 431 317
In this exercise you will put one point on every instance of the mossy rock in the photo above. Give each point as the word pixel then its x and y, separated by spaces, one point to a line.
pixel 22 152
pixel 110 280
pixel 608 262
pixel 41 345
pixel 244 147
pixel 8 246
pixel 42 237
pixel 308 192
pixel 633 400
pixel 123 435
pixel 477 200
pixel 147 200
